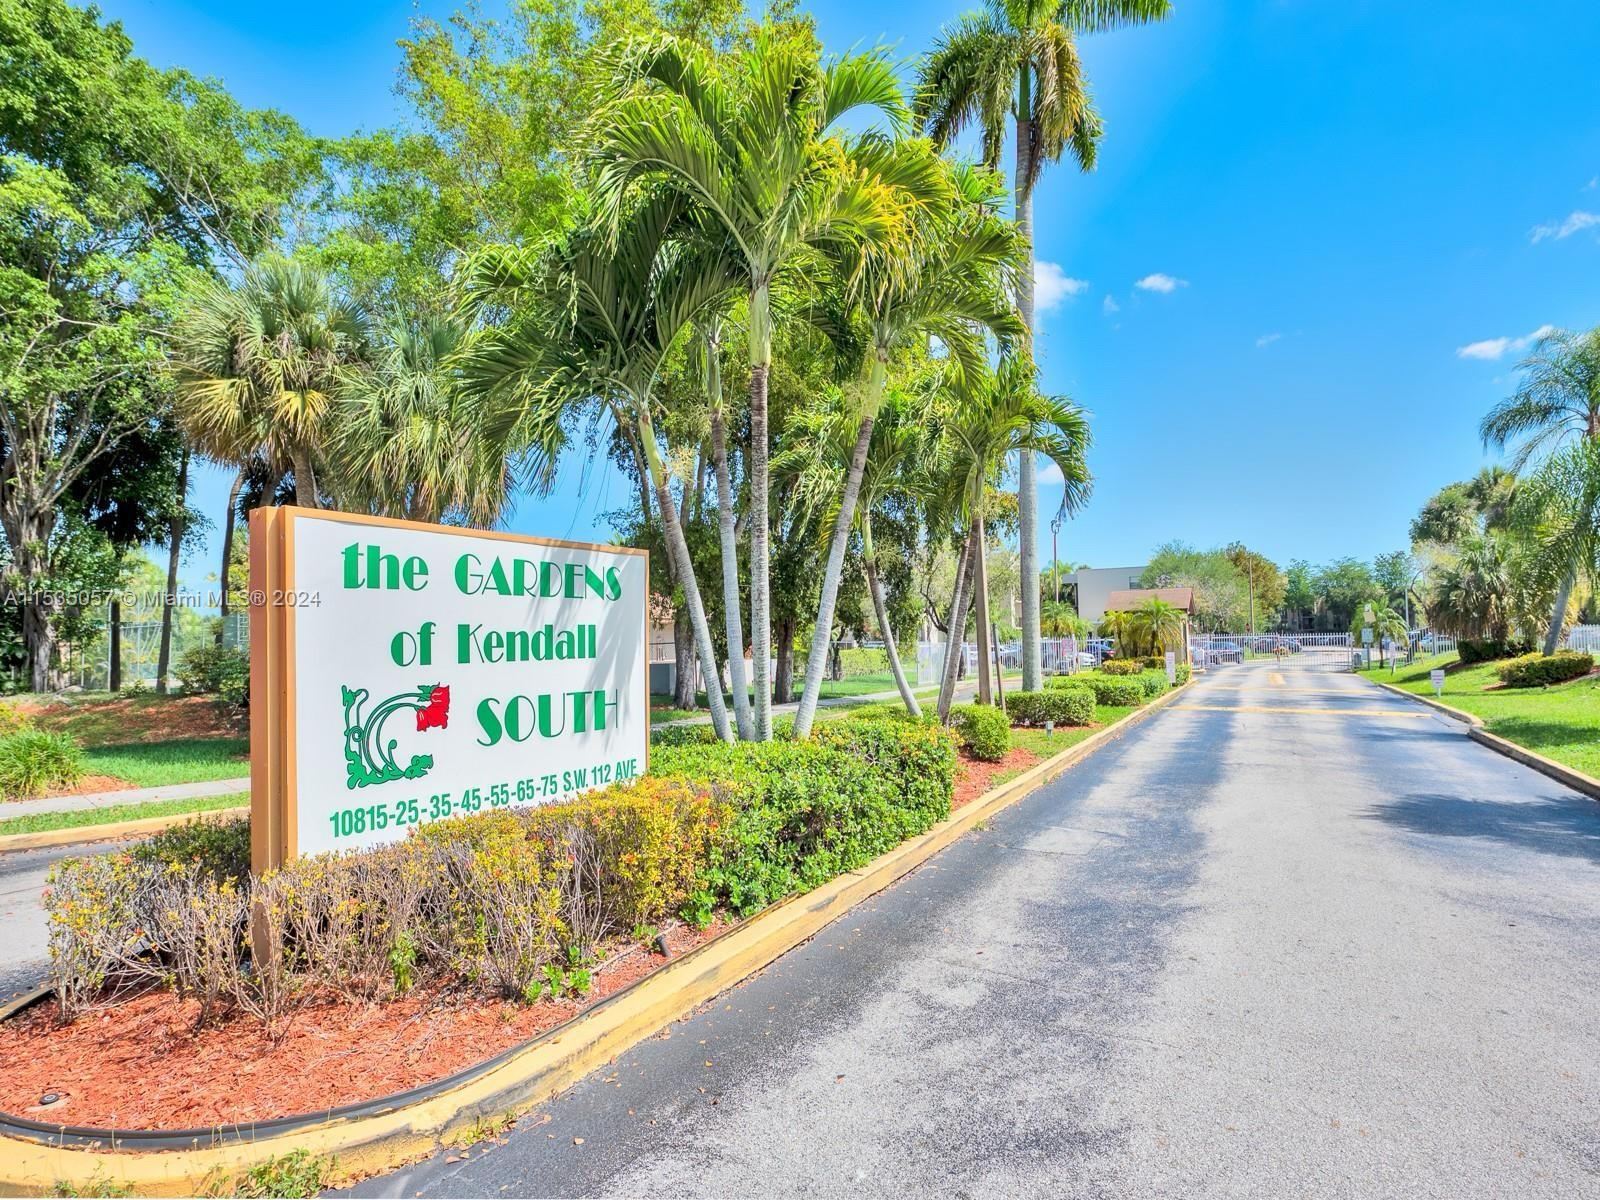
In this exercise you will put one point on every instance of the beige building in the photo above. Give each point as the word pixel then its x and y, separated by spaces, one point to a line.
pixel 1095 585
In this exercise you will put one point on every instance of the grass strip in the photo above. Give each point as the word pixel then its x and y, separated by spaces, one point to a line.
pixel 117 813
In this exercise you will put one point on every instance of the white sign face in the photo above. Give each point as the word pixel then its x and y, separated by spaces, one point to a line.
pixel 1436 677
pixel 439 673
pixel 1172 667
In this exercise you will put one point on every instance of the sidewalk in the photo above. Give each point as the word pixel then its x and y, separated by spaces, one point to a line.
pixel 172 791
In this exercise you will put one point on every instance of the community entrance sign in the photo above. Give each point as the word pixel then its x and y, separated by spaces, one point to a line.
pixel 403 673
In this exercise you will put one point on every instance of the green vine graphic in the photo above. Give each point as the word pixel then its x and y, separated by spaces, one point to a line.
pixel 369 756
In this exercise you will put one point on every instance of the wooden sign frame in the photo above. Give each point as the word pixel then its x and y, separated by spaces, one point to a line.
pixel 274 800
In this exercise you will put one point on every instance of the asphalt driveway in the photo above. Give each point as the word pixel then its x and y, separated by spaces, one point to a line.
pixel 1293 936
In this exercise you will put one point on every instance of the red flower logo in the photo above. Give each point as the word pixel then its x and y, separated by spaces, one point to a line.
pixel 435 714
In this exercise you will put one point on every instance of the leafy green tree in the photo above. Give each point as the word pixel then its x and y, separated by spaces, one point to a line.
pixel 1264 582
pixel 1017 58
pixel 1221 589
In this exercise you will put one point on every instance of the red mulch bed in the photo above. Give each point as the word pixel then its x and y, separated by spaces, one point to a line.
pixel 974 778
pixel 87 786
pixel 140 1064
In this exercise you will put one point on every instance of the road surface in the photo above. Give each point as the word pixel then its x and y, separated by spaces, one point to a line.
pixel 24 940
pixel 1293 936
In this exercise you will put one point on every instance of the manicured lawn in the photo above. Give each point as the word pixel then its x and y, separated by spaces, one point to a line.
pixel 1045 745
pixel 1561 722
pixel 183 760
pixel 78 818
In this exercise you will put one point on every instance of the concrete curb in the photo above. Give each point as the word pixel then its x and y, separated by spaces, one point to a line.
pixel 381 1137
pixel 1576 780
pixel 11 843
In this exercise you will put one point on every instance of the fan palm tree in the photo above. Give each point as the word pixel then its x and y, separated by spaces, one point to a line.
pixel 261 363
pixel 1017 59
pixel 944 281
pixel 748 140
pixel 592 318
pixel 992 417
pixel 408 443
pixel 1558 510
pixel 1469 595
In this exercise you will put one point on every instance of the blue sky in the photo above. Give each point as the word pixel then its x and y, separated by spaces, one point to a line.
pixel 1317 239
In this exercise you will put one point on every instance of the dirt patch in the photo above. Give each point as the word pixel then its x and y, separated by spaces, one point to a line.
pixel 141 1065
pixel 140 718
pixel 974 778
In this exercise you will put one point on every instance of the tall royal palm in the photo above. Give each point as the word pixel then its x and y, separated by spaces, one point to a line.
pixel 591 319
pixel 944 280
pixel 261 363
pixel 748 140
pixel 1017 58
pixel 985 422
pixel 1558 399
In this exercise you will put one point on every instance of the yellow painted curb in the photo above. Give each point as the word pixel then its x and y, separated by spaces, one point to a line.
pixel 119 829
pixel 1574 779
pixel 375 1142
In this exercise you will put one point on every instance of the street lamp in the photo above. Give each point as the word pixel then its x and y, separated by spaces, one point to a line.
pixel 1055 552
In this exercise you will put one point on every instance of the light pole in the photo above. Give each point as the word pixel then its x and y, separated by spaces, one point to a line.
pixel 1055 553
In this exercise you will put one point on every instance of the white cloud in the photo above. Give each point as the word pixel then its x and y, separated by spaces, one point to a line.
pixel 1109 305
pixel 1492 348
pixel 1266 339
pixel 1158 282
pixel 1051 474
pixel 1593 184
pixel 1576 222
pixel 1052 285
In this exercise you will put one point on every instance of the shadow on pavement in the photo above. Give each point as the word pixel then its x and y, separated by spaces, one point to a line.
pixel 1565 825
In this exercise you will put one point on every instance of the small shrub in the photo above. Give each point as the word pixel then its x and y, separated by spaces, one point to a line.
pixel 984 730
pixel 863 660
pixel 219 847
pixel 1152 683
pixel 1476 650
pixel 212 669
pixel 683 735
pixel 1113 692
pixel 1122 666
pixel 1181 673
pixel 1064 706
pixel 34 760
pixel 1154 662
pixel 1537 670
pixel 13 720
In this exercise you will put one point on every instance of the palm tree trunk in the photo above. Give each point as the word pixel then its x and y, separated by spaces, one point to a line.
pixel 823 632
pixel 228 523
pixel 957 633
pixel 760 533
pixel 980 589
pixel 881 609
pixel 305 481
pixel 730 563
pixel 1558 615
pixel 1027 481
pixel 679 549
pixel 169 601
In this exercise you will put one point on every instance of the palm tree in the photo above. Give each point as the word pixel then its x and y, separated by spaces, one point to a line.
pixel 943 282
pixel 1385 623
pixel 262 362
pixel 1123 627
pixel 1017 58
pixel 1469 598
pixel 592 318
pixel 1162 624
pixel 993 417
pixel 408 443
pixel 749 142
pixel 1558 509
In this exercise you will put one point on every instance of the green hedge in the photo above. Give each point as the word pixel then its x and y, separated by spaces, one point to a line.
pixel 806 811
pixel 1475 650
pixel 1122 666
pixel 1181 673
pixel 984 730
pixel 1536 670
pixel 863 660
pixel 1113 692
pixel 1152 682
pixel 1064 706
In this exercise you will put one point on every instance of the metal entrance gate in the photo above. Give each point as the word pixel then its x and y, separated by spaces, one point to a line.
pixel 1296 651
